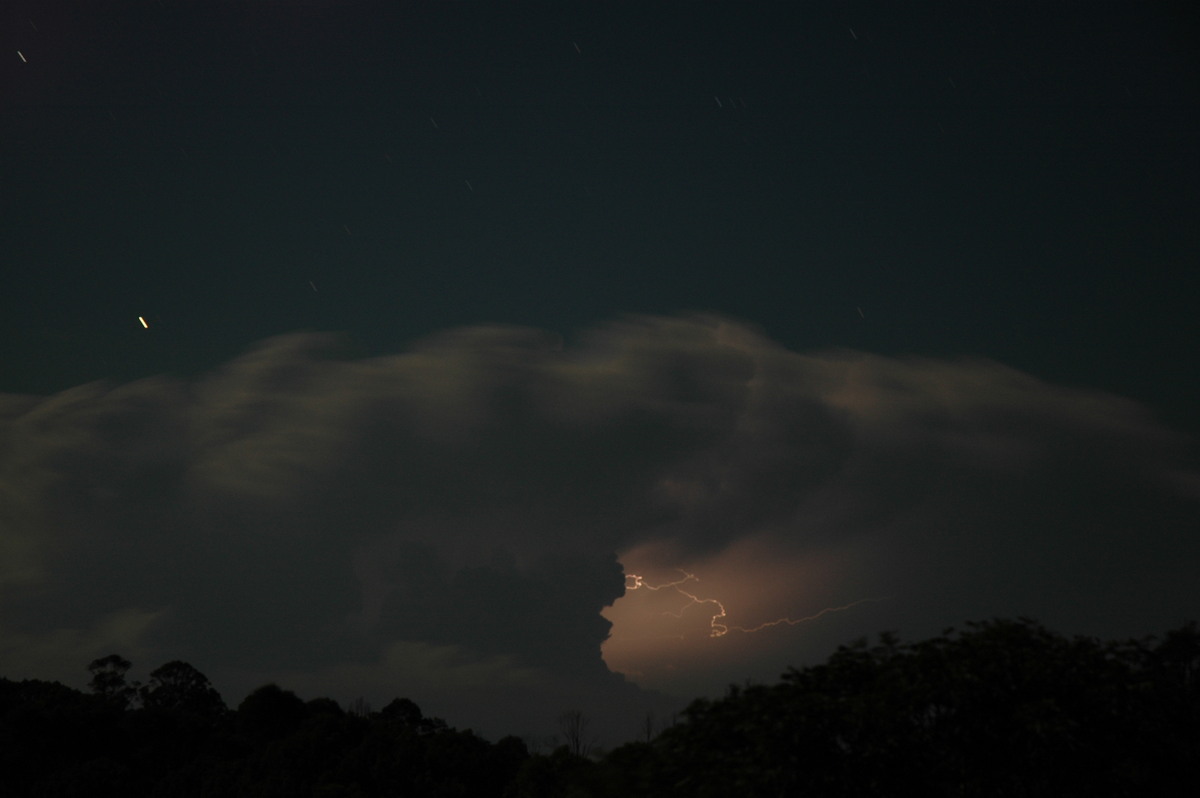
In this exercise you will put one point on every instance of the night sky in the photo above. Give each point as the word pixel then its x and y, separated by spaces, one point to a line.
pixel 464 320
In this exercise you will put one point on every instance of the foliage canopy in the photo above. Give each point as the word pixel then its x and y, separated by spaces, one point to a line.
pixel 1004 707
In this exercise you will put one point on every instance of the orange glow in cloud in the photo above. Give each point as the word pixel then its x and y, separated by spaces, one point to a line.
pixel 680 628
pixel 716 626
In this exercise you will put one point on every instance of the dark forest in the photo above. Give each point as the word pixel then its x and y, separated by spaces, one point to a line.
pixel 1002 707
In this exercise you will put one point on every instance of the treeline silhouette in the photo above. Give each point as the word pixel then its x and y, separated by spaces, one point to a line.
pixel 1002 708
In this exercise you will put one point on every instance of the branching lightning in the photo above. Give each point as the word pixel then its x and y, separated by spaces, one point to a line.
pixel 717 627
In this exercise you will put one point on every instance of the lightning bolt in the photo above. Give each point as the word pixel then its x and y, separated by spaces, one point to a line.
pixel 717 627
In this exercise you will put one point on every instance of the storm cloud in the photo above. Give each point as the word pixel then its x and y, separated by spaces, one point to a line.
pixel 455 518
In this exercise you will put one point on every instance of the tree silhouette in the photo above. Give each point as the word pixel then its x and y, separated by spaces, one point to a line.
pixel 179 686
pixel 108 680
pixel 573 726
pixel 1002 707
pixel 1005 707
pixel 649 726
pixel 270 712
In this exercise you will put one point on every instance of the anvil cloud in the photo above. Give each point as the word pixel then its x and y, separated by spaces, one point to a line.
pixel 450 522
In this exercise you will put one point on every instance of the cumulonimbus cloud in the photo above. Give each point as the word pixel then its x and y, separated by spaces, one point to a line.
pixel 301 511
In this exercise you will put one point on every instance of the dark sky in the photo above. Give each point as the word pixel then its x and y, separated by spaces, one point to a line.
pixel 457 309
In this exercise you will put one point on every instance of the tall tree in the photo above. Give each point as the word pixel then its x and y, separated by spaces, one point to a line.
pixel 271 712
pixel 179 686
pixel 573 726
pixel 108 679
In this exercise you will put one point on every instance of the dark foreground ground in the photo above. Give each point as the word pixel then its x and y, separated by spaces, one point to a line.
pixel 1002 708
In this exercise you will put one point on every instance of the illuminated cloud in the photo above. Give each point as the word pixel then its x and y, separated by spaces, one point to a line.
pixel 451 517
